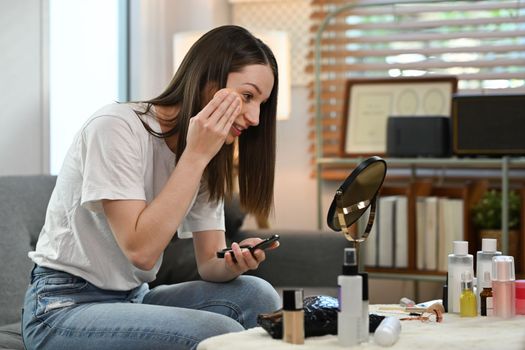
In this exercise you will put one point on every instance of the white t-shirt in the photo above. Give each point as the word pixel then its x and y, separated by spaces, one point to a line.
pixel 113 156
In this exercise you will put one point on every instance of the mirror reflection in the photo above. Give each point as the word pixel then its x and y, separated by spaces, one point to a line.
pixel 355 197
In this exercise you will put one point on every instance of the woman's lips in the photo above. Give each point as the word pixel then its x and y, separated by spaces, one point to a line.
pixel 237 131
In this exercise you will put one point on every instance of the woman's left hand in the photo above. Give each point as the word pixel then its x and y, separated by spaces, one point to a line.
pixel 245 259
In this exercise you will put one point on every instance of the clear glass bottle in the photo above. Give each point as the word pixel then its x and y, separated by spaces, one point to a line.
pixel 467 300
pixel 459 261
pixel 485 297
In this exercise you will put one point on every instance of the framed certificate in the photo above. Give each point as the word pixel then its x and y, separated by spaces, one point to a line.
pixel 369 103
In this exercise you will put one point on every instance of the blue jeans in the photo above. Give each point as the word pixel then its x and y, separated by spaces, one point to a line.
pixel 62 311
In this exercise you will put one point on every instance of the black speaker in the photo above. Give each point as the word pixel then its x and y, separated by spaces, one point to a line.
pixel 418 136
pixel 488 124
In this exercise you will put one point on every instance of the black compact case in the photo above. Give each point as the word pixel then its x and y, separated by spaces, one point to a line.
pixel 418 136
pixel 488 124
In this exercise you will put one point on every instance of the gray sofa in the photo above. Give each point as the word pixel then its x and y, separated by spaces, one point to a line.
pixel 308 259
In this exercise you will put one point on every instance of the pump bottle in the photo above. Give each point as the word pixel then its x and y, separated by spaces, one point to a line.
pixel 503 288
pixel 458 262
pixel 350 301
pixel 484 264
pixel 364 330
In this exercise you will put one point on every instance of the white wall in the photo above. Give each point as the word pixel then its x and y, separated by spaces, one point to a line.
pixel 23 132
pixel 153 23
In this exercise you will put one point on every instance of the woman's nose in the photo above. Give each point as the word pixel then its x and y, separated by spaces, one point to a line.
pixel 252 116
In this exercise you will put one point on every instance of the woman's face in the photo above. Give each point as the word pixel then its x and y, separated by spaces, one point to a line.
pixel 254 84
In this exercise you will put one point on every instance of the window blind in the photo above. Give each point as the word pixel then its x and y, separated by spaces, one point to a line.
pixel 482 43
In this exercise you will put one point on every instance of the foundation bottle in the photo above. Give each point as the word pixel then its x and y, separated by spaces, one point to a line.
pixel 293 316
pixel 503 289
pixel 467 300
pixel 485 297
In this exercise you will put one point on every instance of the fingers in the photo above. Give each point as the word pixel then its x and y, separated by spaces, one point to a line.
pixel 242 260
pixel 223 105
pixel 225 115
pixel 215 102
pixel 226 120
pixel 271 247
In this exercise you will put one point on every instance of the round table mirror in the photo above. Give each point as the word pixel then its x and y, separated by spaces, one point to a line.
pixel 357 196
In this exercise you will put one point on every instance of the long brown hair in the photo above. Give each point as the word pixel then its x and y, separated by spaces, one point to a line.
pixel 217 53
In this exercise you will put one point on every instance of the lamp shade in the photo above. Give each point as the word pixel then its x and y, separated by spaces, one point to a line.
pixel 277 41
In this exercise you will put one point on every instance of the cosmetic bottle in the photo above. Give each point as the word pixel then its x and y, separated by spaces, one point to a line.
pixel 503 289
pixel 484 263
pixel 485 297
pixel 520 297
pixel 467 300
pixel 445 295
pixel 350 300
pixel 364 331
pixel 293 316
pixel 387 333
pixel 458 262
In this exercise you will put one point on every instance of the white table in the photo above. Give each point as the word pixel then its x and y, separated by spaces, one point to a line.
pixel 479 333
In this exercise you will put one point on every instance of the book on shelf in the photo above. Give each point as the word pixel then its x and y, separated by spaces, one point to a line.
pixel 401 233
pixel 420 232
pixel 431 233
pixel 439 222
pixel 371 242
pixel 387 225
pixel 387 244
pixel 450 228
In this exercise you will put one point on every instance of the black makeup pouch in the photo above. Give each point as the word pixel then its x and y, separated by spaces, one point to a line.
pixel 320 318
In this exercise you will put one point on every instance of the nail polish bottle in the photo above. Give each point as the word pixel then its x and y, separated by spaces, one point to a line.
pixel 293 316
pixel 503 286
pixel 520 297
pixel 467 300
pixel 350 301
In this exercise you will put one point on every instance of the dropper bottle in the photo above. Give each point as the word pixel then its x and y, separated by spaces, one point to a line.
pixel 485 297
pixel 484 264
pixel 467 300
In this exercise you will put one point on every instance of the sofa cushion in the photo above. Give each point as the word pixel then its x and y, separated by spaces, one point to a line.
pixel 10 337
pixel 22 213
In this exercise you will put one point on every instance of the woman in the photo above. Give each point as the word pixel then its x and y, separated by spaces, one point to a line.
pixel 136 175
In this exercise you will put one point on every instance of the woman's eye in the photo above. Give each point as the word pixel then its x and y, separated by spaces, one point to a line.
pixel 247 97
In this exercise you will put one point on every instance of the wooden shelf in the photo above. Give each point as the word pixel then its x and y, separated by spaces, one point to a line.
pixel 470 190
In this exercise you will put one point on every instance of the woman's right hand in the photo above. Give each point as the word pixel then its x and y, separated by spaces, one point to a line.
pixel 207 130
